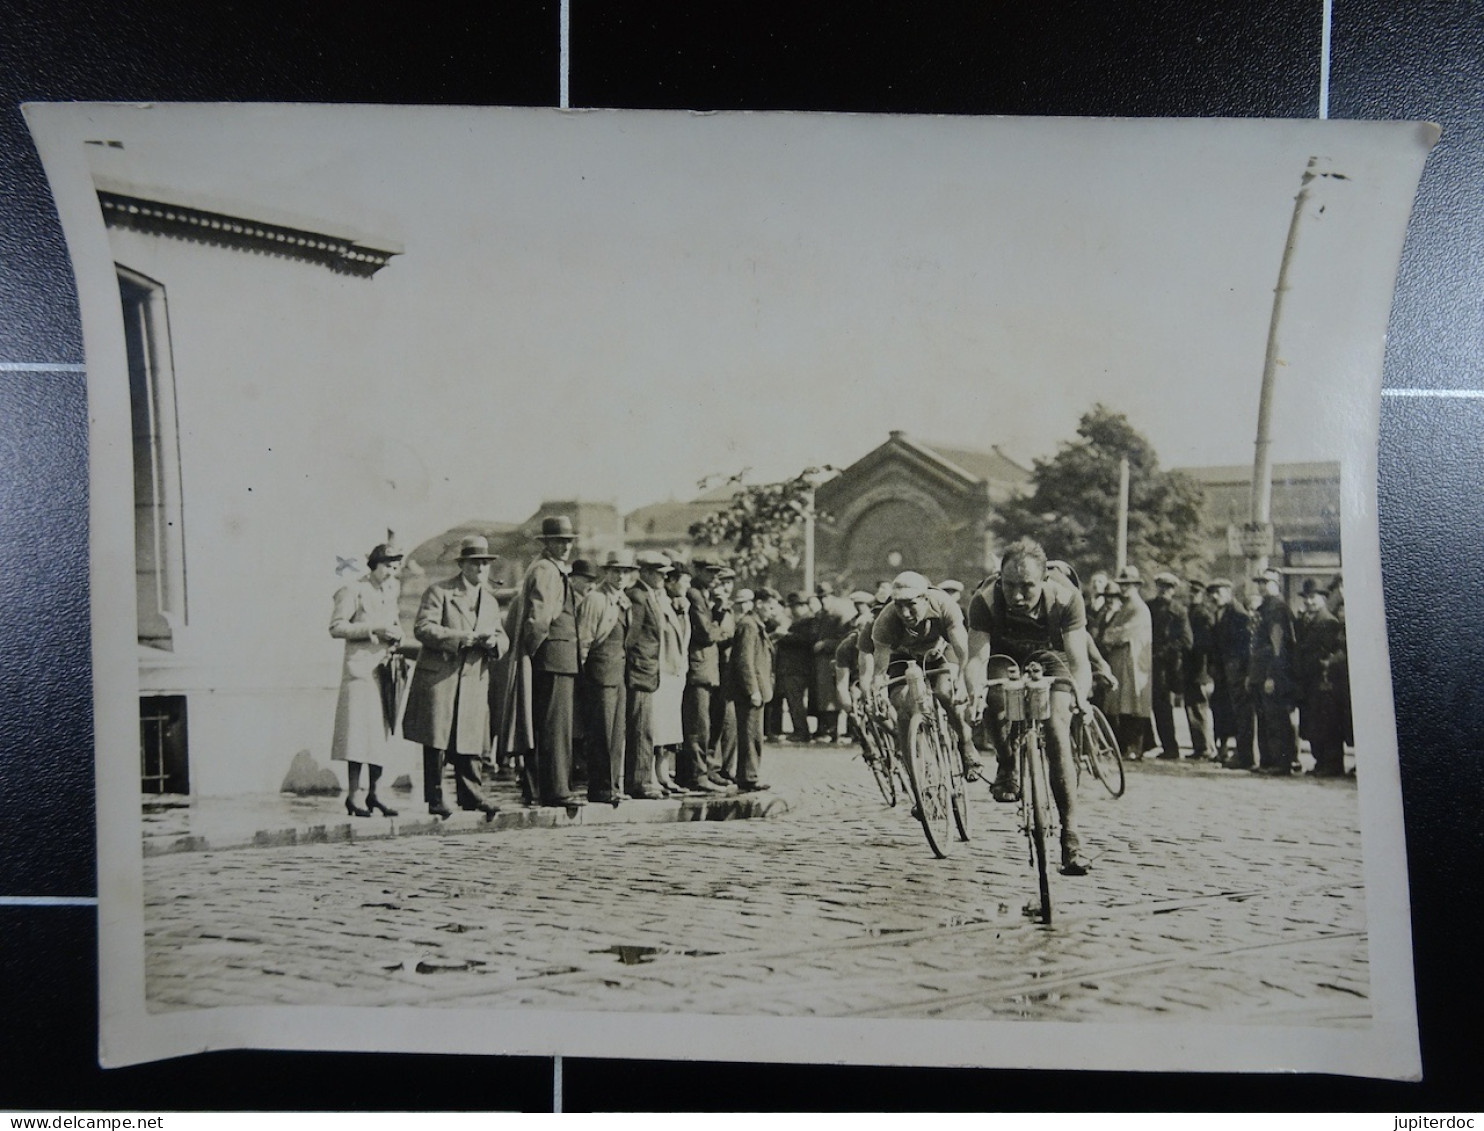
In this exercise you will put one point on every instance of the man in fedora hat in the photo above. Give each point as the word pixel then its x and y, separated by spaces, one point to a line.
pixel 1321 669
pixel 602 628
pixel 1128 644
pixel 1170 631
pixel 448 704
pixel 538 704
pixel 751 678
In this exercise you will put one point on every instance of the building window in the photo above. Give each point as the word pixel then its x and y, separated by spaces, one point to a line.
pixel 162 744
pixel 159 535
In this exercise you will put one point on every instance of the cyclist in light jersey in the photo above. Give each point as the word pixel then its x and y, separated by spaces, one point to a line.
pixel 925 624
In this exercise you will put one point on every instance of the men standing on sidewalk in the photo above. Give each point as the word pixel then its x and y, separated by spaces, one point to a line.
pixel 448 703
pixel 541 681
pixel 602 628
pixel 1171 633
pixel 1270 677
pixel 751 688
pixel 831 624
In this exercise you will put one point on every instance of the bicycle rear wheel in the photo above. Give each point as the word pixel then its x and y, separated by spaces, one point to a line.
pixel 929 775
pixel 1101 748
pixel 1036 795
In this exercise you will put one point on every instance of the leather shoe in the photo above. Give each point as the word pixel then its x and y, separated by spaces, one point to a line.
pixel 652 793
pixel 374 803
pixel 1075 865
pixel 440 810
pixel 571 801
pixel 489 809
pixel 753 786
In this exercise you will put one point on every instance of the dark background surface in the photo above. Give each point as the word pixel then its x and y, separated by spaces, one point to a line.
pixel 1423 59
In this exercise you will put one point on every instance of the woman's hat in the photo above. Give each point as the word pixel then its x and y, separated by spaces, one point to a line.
pixel 384 552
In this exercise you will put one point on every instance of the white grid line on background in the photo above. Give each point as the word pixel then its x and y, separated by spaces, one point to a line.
pixel 1324 41
pixel 40 367
pixel 564 98
pixel 48 901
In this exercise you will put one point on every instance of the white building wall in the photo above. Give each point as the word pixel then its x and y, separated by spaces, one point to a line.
pixel 285 467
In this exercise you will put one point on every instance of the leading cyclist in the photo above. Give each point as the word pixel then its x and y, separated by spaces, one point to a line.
pixel 1031 615
pixel 925 624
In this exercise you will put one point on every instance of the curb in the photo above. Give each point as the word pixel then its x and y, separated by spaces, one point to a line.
pixel 631 812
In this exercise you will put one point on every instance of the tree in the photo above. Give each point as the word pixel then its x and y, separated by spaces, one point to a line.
pixel 1072 509
pixel 763 526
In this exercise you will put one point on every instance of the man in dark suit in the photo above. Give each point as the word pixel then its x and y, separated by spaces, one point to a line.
pixel 448 703
pixel 712 627
pixel 642 678
pixel 1321 668
pixel 796 664
pixel 541 682
pixel 1171 632
pixel 602 630
pixel 1231 704
pixel 751 688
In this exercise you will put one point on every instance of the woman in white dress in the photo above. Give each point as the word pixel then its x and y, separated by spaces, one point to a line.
pixel 365 617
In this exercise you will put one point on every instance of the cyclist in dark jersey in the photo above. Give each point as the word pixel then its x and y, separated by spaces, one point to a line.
pixel 925 624
pixel 1030 615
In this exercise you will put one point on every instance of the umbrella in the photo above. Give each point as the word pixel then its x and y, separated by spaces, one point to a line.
pixel 392 679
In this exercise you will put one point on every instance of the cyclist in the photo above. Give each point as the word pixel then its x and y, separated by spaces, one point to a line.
pixel 925 624
pixel 1032 615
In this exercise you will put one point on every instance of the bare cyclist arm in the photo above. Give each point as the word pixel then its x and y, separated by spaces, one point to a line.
pixel 1075 643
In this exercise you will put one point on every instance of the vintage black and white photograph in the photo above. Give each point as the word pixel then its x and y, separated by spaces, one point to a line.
pixel 756 586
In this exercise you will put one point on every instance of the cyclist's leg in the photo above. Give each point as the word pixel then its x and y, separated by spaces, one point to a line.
pixel 943 681
pixel 1006 786
pixel 1061 761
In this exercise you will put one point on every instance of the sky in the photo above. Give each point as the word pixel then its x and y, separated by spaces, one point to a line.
pixel 623 303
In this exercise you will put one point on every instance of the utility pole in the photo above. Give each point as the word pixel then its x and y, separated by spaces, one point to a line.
pixel 1257 535
pixel 1122 552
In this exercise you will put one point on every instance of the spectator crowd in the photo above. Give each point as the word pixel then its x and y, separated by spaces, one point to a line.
pixel 645 676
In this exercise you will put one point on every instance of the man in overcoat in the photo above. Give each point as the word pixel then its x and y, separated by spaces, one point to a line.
pixel 796 664
pixel 539 703
pixel 751 688
pixel 1127 644
pixel 448 703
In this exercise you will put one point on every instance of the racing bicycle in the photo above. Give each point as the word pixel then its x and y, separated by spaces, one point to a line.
pixel 1027 707
pixel 875 724
pixel 934 767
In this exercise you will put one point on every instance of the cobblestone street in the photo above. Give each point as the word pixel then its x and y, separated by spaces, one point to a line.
pixel 1215 896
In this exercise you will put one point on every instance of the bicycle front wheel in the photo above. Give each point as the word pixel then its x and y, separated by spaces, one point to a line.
pixel 1103 755
pixel 929 776
pixel 878 761
pixel 1036 796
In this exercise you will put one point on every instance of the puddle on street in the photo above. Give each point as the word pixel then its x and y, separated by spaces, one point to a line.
pixel 639 955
